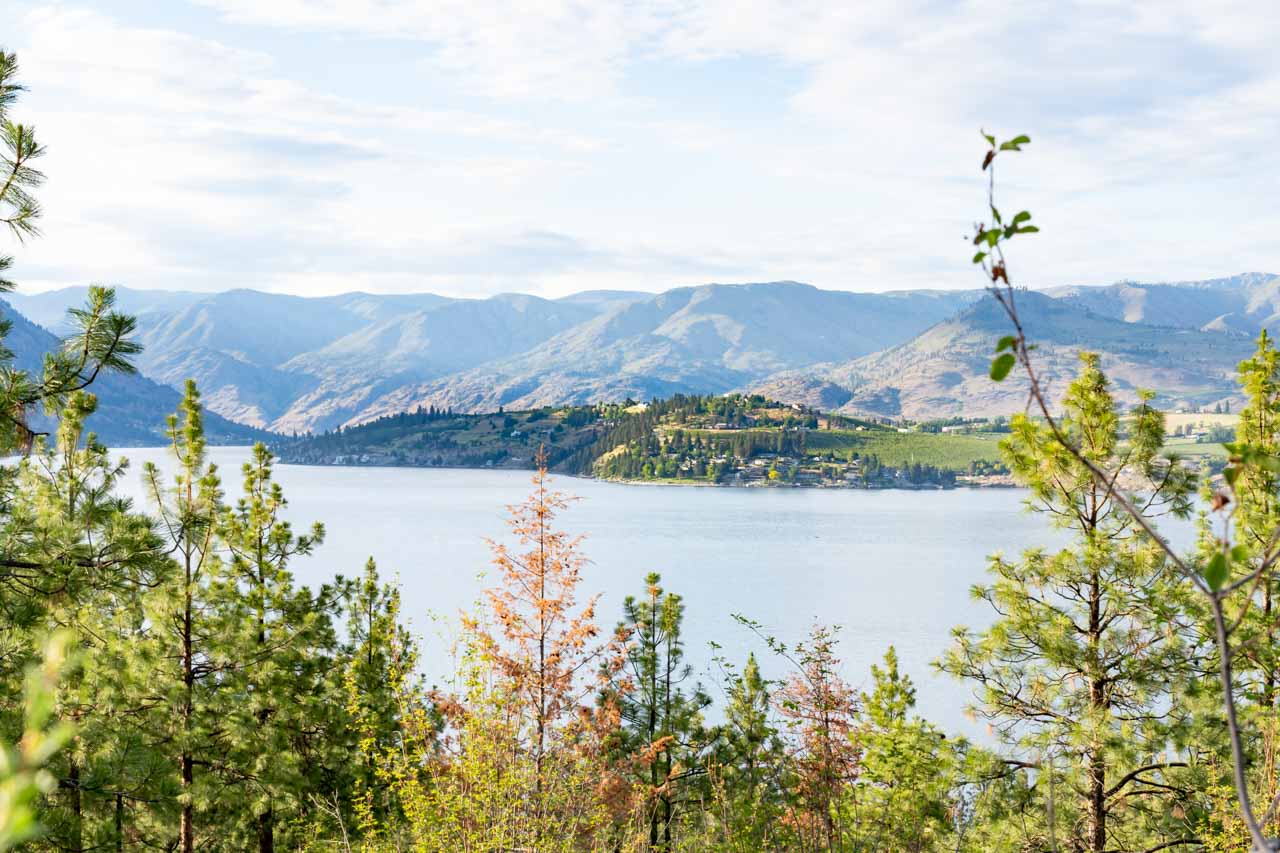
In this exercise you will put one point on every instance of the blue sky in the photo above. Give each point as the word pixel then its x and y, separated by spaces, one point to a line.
pixel 470 147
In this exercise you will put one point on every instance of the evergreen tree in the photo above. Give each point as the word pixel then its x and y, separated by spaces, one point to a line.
pixel 1257 511
pixel 819 713
pixel 19 209
pixel 748 781
pixel 544 646
pixel 283 645
pixel 376 679
pixel 1083 666
pixel 190 612
pixel 88 553
pixel 906 797
pixel 661 723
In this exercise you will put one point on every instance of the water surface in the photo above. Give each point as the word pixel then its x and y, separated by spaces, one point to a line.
pixel 890 567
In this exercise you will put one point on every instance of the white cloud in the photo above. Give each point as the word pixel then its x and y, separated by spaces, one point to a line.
pixel 218 154
pixel 550 49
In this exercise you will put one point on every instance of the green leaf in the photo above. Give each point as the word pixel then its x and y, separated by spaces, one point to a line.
pixel 977 259
pixel 1239 554
pixel 993 237
pixel 1215 574
pixel 1015 144
pixel 1001 366
pixel 1022 216
pixel 996 214
pixel 1007 342
pixel 991 139
pixel 1028 229
pixel 1229 474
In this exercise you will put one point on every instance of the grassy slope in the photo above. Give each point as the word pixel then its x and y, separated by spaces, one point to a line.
pixel 900 448
pixel 904 448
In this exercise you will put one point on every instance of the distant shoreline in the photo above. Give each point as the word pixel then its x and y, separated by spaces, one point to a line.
pixel 991 482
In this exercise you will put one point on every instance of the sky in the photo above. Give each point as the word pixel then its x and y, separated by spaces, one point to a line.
pixel 471 147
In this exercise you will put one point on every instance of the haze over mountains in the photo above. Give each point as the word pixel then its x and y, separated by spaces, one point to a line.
pixel 132 408
pixel 290 363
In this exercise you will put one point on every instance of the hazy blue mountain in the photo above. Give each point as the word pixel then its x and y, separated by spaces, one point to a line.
pixel 943 371
pixel 290 363
pixel 706 339
pixel 381 358
pixel 602 298
pixel 49 309
pixel 1244 303
pixel 294 364
pixel 132 410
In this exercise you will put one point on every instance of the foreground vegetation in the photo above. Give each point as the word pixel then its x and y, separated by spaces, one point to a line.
pixel 166 684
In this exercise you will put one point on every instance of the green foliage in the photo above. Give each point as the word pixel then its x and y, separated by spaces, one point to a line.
pixel 282 639
pixel 661 722
pixel 907 795
pixel 896 449
pixel 1077 669
pixel 746 775
pixel 19 209
pixel 23 777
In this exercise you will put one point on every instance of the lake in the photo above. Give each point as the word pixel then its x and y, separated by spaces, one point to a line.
pixel 890 567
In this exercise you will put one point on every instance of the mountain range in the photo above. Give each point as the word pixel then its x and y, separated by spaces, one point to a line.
pixel 132 409
pixel 288 363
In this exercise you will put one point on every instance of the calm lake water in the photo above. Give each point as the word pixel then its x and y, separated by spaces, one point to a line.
pixel 890 567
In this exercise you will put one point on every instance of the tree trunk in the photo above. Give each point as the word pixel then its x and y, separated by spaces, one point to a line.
pixel 77 818
pixel 651 659
pixel 1268 667
pixel 266 832
pixel 1096 811
pixel 1097 814
pixel 186 821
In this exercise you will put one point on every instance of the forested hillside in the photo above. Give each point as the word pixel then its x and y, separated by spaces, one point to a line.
pixel 722 440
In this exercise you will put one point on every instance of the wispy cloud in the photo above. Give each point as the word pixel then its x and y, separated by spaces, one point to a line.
pixel 473 145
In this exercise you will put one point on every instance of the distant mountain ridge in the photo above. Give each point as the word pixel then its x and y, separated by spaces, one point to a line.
pixel 1245 303
pixel 132 409
pixel 291 363
pixel 944 371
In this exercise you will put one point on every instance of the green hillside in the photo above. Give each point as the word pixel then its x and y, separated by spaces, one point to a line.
pixel 728 440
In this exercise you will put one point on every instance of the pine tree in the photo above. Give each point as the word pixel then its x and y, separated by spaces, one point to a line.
pixel 662 724
pixel 1083 664
pixel 186 659
pixel 283 644
pixel 905 800
pixel 378 676
pixel 19 209
pixel 546 662
pixel 820 712
pixel 88 553
pixel 748 786
pixel 1257 512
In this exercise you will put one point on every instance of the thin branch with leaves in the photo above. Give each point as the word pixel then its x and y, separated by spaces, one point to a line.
pixel 1227 569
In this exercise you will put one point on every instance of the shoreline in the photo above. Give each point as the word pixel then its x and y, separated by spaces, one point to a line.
pixel 1002 482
